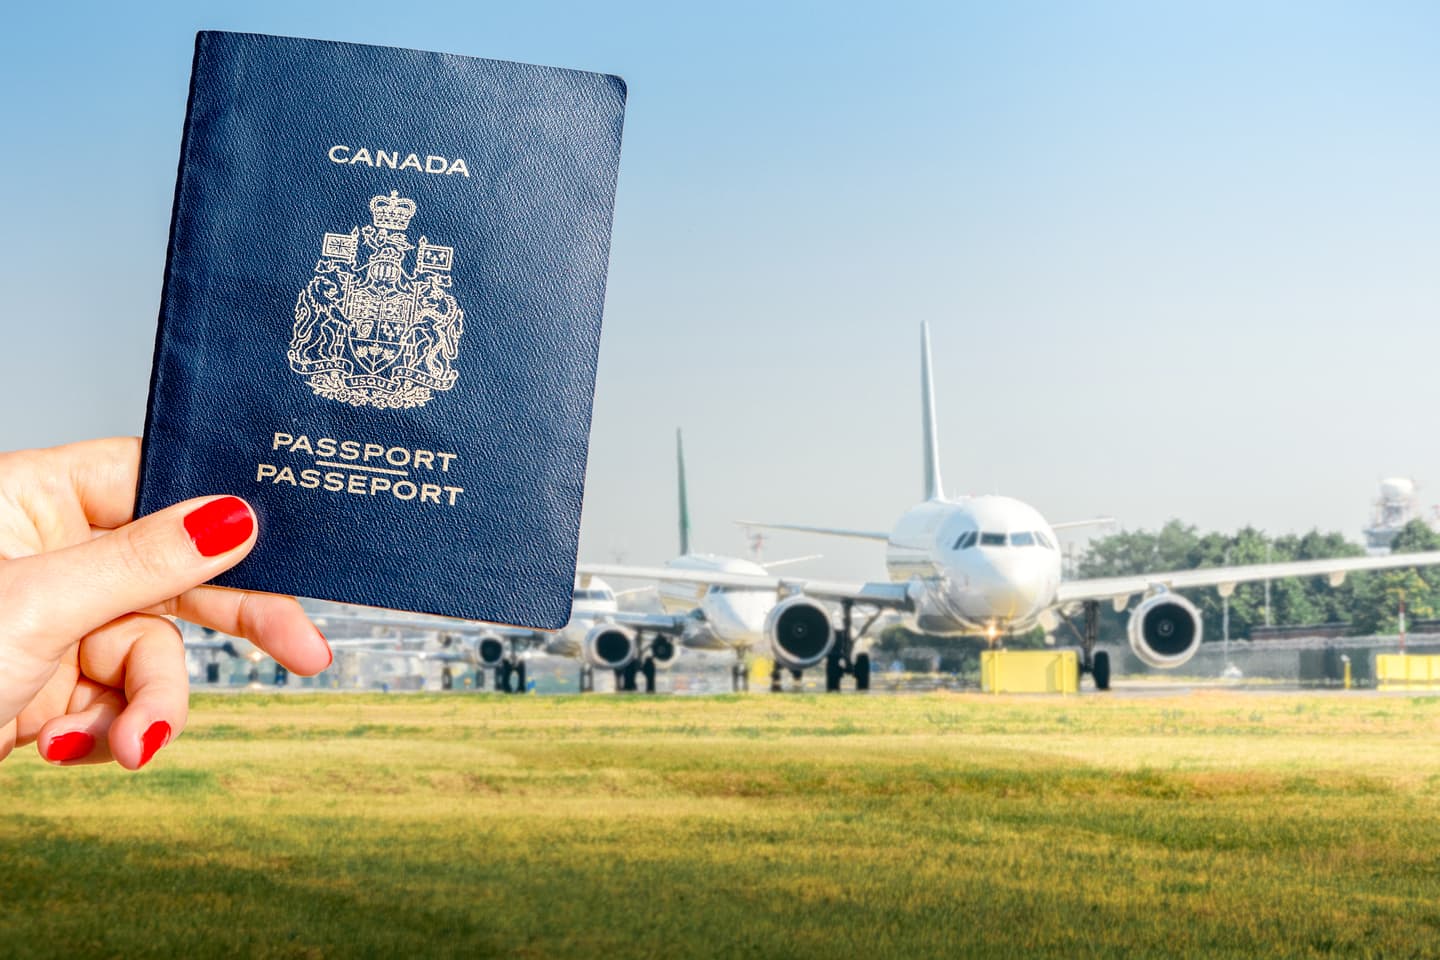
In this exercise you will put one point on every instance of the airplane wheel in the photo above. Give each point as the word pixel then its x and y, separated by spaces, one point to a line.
pixel 1100 670
pixel 832 674
pixel 520 677
pixel 862 672
pixel 629 677
pixel 775 679
pixel 480 679
pixel 502 678
pixel 649 671
pixel 447 679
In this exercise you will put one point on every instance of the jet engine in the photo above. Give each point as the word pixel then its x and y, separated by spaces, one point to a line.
pixel 611 647
pixel 1165 630
pixel 664 650
pixel 491 649
pixel 800 633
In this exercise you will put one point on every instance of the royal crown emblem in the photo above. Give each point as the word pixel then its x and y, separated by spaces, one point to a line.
pixel 378 334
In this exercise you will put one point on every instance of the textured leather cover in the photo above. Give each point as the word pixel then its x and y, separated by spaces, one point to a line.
pixel 381 317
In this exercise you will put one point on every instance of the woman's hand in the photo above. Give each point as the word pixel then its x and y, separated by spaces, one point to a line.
pixel 90 667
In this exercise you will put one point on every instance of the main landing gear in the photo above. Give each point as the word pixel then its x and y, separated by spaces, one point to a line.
pixel 842 658
pixel 510 676
pixel 627 677
pixel 739 677
pixel 1092 661
pixel 659 649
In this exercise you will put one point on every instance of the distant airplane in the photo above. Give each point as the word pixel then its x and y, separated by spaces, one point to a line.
pixel 986 565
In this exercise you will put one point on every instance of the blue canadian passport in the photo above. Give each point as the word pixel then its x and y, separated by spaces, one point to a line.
pixel 381 317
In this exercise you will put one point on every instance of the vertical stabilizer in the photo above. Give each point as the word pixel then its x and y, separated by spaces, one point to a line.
pixel 684 505
pixel 934 490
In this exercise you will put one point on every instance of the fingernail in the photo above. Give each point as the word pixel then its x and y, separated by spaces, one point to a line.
pixel 69 746
pixel 220 526
pixel 153 739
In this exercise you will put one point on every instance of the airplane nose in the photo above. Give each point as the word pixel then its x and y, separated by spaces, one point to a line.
pixel 1013 588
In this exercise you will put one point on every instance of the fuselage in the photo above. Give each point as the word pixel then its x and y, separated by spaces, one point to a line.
pixel 982 564
pixel 729 617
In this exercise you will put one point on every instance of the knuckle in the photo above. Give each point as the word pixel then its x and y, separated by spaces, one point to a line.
pixel 21 591
pixel 147 553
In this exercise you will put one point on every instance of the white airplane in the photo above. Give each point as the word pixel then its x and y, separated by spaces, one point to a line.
pixel 980 565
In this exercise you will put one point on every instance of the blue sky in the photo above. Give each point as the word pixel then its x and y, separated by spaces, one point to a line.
pixel 1180 259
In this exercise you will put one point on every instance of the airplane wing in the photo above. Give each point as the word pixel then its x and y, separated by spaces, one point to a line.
pixel 877 594
pixel 1121 589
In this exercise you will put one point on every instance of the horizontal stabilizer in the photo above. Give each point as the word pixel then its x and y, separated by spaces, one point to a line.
pixel 789 561
pixel 823 531
pixel 1092 522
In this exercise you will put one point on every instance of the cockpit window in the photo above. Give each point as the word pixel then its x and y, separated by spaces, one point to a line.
pixel 1044 540
pixel 965 541
pixel 1024 539
pixel 992 539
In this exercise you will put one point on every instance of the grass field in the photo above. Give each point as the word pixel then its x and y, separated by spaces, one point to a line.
pixel 1210 824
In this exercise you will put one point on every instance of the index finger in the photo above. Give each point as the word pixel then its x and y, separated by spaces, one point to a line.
pixel 102 475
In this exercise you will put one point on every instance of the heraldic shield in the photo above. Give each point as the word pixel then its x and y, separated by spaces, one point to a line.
pixel 377 333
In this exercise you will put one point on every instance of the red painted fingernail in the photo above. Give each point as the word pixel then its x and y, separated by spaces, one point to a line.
pixel 220 526
pixel 153 739
pixel 69 746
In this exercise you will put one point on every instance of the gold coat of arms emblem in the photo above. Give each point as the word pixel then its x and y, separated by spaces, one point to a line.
pixel 380 334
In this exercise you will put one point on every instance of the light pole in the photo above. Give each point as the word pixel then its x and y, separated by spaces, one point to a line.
pixel 1225 621
pixel 1267 585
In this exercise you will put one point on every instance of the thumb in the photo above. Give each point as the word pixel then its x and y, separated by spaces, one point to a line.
pixel 53 599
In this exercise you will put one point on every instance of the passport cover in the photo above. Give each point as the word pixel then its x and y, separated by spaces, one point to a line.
pixel 381 316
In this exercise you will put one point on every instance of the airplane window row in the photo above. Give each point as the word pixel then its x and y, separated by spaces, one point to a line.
pixel 594 595
pixel 1025 538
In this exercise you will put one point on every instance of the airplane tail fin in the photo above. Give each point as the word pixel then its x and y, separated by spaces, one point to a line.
pixel 684 505
pixel 934 489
